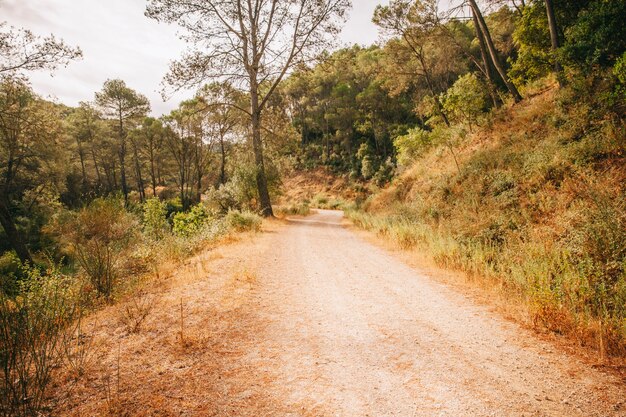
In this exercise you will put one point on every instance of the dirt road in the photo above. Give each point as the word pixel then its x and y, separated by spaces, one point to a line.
pixel 354 332
pixel 308 319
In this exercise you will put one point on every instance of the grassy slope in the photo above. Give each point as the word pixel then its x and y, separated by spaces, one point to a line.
pixel 538 207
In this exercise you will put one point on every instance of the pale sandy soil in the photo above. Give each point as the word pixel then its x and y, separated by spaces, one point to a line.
pixel 310 319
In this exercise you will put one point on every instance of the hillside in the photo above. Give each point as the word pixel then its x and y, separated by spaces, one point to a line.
pixel 536 207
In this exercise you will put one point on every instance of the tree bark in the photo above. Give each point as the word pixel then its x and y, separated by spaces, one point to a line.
pixel 223 160
pixel 554 34
pixel 493 52
pixel 140 186
pixel 97 168
pixel 13 236
pixel 257 145
pixel 484 54
pixel 81 155
pixel 122 155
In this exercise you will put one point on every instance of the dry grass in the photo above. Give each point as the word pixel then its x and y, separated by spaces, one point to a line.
pixel 195 365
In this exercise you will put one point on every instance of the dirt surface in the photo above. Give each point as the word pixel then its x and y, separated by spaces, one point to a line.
pixel 310 319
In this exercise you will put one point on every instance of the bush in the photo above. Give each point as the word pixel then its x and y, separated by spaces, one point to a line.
pixel 190 223
pixel 466 100
pixel 10 273
pixel 155 224
pixel 295 209
pixel 32 328
pixel 100 235
pixel 411 146
pixel 224 198
pixel 598 36
pixel 243 221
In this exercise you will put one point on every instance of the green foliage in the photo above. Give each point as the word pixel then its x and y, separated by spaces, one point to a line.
pixel 242 221
pixel 33 327
pixel 11 273
pixel 532 36
pixel 466 100
pixel 191 222
pixel 411 146
pixel 598 36
pixel 155 224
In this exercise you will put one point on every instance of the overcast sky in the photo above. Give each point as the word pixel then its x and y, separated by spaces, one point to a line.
pixel 118 41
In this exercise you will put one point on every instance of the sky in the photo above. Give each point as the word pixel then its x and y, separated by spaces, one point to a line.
pixel 118 41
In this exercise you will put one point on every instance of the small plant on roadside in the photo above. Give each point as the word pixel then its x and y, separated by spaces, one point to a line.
pixel 136 309
pixel 80 347
pixel 100 235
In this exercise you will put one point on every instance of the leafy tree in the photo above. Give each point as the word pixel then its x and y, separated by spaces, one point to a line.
pixel 415 23
pixel 150 137
pixel 252 43
pixel 466 99
pixel 221 118
pixel 125 108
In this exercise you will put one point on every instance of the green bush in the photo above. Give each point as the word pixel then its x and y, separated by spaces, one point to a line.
pixel 466 100
pixel 155 224
pixel 243 221
pixel 411 146
pixel 598 36
pixel 190 223
pixel 11 273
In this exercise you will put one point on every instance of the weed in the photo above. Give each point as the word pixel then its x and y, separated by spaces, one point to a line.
pixel 136 309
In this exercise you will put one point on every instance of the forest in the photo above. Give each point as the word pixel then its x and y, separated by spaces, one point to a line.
pixel 490 135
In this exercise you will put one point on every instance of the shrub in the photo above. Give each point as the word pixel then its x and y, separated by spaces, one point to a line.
pixel 295 209
pixel 155 223
pixel 190 223
pixel 224 198
pixel 466 100
pixel 243 221
pixel 32 328
pixel 411 146
pixel 10 273
pixel 100 235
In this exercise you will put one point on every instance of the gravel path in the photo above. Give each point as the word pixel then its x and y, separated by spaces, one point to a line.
pixel 352 331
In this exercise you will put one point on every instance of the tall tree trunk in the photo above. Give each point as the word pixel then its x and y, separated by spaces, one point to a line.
pixel 122 155
pixel 223 160
pixel 152 170
pixel 13 236
pixel 140 186
pixel 493 52
pixel 257 145
pixel 153 178
pixel 486 63
pixel 95 163
pixel 81 155
pixel 554 35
